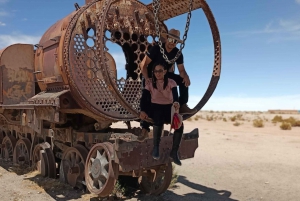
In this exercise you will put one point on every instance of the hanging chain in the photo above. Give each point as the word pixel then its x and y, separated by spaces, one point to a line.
pixel 156 7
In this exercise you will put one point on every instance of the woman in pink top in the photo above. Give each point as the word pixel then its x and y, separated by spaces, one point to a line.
pixel 163 94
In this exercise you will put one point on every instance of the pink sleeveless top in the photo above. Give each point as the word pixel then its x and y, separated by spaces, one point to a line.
pixel 161 95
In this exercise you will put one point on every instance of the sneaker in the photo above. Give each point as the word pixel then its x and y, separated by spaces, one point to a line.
pixel 143 135
pixel 184 109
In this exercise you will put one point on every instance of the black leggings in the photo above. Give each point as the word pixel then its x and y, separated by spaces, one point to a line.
pixel 161 114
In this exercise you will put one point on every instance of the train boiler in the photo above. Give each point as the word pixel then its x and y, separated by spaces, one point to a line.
pixel 59 98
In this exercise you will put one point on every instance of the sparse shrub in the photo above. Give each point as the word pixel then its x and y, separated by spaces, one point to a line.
pixel 258 123
pixel 174 177
pixel 290 120
pixel 196 118
pixel 118 190
pixel 237 123
pixel 285 126
pixel 224 119
pixel 232 118
pixel 209 118
pixel 239 116
pixel 189 119
pixel 277 119
pixel 297 124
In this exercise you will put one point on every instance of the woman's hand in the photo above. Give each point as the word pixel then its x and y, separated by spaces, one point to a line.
pixel 143 115
pixel 176 105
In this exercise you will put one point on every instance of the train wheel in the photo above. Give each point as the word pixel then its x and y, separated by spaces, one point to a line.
pixel 1 138
pixel 8 145
pixel 72 165
pixel 40 159
pixel 101 170
pixel 22 152
pixel 157 180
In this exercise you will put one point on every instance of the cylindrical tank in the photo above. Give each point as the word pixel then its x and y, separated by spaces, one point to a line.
pixel 73 54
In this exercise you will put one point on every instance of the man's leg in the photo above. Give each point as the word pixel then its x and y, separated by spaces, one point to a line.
pixel 144 124
pixel 183 94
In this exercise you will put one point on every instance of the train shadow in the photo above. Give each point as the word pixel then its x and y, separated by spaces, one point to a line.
pixel 62 192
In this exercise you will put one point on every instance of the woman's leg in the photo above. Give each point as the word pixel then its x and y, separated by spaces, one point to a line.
pixel 158 119
pixel 176 143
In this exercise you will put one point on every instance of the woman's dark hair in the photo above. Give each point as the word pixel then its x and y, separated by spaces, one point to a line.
pixel 154 78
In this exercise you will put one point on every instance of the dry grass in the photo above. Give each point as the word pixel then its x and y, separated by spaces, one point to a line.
pixel 258 123
pixel 277 119
pixel 291 120
pixel 237 123
pixel 174 177
pixel 285 126
pixel 210 118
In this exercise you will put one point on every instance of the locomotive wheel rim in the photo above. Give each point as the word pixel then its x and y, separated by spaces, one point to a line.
pixel 72 165
pixel 217 59
pixel 22 152
pixel 8 151
pixel 99 170
pixel 40 159
pixel 51 161
pixel 162 176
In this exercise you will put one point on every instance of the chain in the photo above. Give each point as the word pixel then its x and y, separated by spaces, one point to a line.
pixel 156 7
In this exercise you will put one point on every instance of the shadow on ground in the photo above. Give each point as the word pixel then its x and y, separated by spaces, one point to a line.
pixel 63 192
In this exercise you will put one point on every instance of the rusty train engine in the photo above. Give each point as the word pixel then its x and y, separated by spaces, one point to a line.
pixel 59 98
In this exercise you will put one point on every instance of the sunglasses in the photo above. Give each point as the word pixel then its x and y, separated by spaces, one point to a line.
pixel 172 40
pixel 158 71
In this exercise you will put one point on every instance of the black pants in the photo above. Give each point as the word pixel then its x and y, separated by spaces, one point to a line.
pixel 161 114
pixel 183 90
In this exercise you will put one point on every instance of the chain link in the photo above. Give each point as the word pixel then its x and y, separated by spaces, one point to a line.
pixel 156 7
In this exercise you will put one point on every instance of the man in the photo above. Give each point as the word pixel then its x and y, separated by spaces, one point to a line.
pixel 183 81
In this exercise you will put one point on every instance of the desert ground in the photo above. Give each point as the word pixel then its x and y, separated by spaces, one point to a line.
pixel 234 161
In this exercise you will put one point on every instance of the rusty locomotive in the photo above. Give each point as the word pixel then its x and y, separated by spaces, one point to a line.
pixel 58 98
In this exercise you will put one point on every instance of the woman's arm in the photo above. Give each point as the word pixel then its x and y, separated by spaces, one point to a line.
pixel 146 96
pixel 175 94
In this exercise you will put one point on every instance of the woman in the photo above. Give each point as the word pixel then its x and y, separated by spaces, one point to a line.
pixel 163 94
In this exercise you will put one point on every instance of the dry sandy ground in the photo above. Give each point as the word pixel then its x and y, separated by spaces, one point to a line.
pixel 232 163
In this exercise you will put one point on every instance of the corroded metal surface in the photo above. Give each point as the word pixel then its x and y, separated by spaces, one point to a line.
pixel 72 165
pixel 173 8
pixel 17 66
pixel 100 170
pixel 40 159
pixel 21 154
pixel 157 180
pixel 133 155
pixel 217 58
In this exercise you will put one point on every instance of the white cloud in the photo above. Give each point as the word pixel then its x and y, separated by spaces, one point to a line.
pixel 3 13
pixel 297 1
pixel 2 23
pixel 282 30
pixel 24 19
pixel 6 40
pixel 249 103
pixel 3 1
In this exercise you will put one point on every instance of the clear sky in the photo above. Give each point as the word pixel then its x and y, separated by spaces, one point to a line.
pixel 260 48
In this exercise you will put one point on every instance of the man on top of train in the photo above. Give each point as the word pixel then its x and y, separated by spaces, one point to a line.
pixel 154 55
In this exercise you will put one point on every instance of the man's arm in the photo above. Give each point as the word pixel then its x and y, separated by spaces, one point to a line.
pixel 183 74
pixel 143 66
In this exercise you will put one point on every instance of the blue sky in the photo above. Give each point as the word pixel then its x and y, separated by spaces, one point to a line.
pixel 260 48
